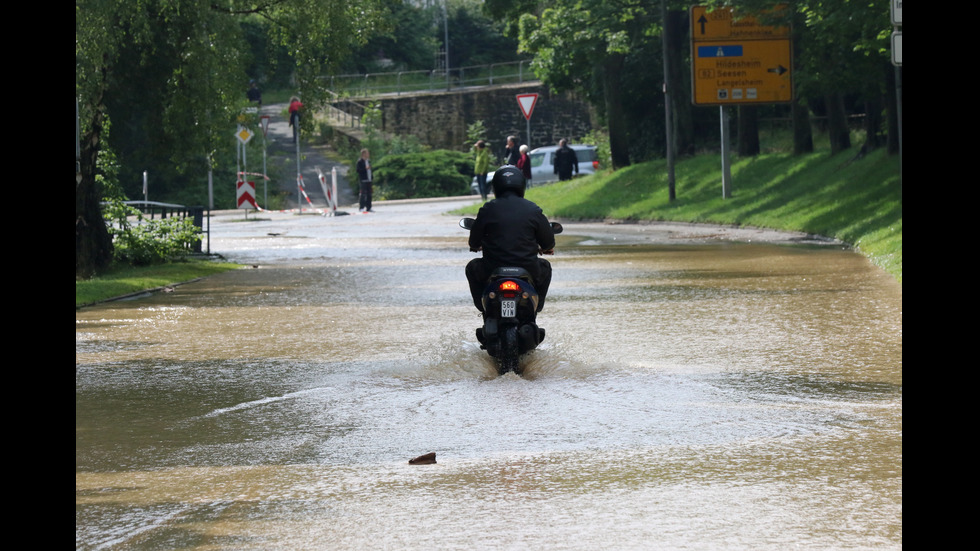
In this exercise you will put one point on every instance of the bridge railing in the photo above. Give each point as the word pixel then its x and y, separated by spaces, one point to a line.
pixel 197 215
pixel 400 82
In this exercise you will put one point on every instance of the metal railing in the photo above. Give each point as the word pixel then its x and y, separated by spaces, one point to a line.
pixel 171 210
pixel 399 82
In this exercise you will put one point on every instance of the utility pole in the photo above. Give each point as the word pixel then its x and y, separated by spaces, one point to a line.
pixel 669 116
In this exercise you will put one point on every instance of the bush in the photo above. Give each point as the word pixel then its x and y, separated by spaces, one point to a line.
pixel 424 174
pixel 141 242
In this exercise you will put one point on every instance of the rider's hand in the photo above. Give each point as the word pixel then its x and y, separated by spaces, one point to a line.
pixel 549 251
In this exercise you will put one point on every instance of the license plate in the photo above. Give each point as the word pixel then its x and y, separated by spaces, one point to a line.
pixel 508 308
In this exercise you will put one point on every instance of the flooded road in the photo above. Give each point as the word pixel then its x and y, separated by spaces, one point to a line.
pixel 699 388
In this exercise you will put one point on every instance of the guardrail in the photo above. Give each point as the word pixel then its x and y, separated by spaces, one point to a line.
pixel 398 82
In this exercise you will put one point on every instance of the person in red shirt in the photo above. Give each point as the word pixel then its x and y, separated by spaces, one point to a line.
pixel 294 115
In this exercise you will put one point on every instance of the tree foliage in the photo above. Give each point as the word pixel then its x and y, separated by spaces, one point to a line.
pixel 611 51
pixel 171 76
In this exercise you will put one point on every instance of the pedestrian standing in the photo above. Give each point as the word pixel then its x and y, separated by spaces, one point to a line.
pixel 364 175
pixel 254 94
pixel 565 160
pixel 511 153
pixel 481 167
pixel 524 163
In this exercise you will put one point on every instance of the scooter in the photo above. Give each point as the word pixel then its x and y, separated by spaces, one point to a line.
pixel 510 305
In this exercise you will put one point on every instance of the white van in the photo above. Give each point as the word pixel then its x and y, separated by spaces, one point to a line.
pixel 543 165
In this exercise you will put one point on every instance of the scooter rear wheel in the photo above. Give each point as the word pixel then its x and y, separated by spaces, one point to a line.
pixel 509 351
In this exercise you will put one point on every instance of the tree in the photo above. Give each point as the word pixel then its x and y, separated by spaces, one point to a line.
pixel 585 46
pixel 608 50
pixel 841 60
pixel 170 75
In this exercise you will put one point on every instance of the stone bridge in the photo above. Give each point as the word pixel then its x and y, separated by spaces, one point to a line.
pixel 440 119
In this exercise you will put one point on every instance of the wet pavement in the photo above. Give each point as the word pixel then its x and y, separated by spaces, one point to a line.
pixel 699 388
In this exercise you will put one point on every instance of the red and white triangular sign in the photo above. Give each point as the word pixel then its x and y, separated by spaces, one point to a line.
pixel 265 125
pixel 527 101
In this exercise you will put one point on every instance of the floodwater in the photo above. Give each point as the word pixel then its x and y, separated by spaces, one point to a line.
pixel 698 388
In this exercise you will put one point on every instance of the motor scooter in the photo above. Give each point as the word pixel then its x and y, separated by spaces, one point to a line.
pixel 510 305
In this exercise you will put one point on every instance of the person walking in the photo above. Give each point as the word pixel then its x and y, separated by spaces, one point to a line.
pixel 565 161
pixel 364 175
pixel 481 167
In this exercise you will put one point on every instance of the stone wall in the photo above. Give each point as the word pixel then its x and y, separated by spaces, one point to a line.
pixel 440 119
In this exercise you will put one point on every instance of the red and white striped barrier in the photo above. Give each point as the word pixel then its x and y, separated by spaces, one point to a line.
pixel 330 191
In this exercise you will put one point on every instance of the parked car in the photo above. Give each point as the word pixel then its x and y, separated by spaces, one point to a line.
pixel 543 164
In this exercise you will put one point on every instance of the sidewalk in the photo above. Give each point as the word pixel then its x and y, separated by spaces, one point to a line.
pixel 281 159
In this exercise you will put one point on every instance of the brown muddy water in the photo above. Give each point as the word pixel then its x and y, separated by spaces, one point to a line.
pixel 699 388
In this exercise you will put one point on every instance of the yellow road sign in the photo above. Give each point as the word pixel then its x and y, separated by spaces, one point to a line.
pixel 724 24
pixel 737 60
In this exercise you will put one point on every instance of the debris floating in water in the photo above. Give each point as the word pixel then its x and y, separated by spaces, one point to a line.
pixel 427 459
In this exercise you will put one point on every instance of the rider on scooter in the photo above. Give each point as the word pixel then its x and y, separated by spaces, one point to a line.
pixel 511 231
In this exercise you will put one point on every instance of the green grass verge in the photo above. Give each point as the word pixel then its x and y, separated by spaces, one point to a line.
pixel 127 280
pixel 856 200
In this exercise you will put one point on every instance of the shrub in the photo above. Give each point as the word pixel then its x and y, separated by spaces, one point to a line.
pixel 141 242
pixel 425 174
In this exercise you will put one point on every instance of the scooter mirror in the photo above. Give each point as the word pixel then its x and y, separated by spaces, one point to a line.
pixel 466 223
pixel 556 227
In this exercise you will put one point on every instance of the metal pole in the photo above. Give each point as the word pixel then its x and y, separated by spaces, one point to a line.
pixel 299 173
pixel 726 169
pixel 265 174
pixel 668 115
pixel 333 189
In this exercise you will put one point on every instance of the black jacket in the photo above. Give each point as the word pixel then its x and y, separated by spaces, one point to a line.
pixel 511 230
pixel 565 161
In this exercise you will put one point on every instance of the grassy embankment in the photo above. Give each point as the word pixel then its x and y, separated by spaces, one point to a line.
pixel 127 280
pixel 856 200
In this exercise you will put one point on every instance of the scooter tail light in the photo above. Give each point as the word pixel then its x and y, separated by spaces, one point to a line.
pixel 509 286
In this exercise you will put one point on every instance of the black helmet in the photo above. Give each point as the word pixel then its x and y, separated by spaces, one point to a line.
pixel 508 179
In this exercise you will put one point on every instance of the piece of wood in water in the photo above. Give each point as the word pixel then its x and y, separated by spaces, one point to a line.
pixel 427 459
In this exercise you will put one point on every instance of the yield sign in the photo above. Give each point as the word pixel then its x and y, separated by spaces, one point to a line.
pixel 264 119
pixel 527 101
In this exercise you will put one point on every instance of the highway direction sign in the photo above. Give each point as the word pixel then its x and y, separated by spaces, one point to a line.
pixel 738 60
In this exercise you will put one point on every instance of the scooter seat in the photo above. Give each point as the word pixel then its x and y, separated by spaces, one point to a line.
pixel 510 272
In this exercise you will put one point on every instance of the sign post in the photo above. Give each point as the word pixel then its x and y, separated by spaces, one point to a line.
pixel 896 10
pixel 527 102
pixel 264 119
